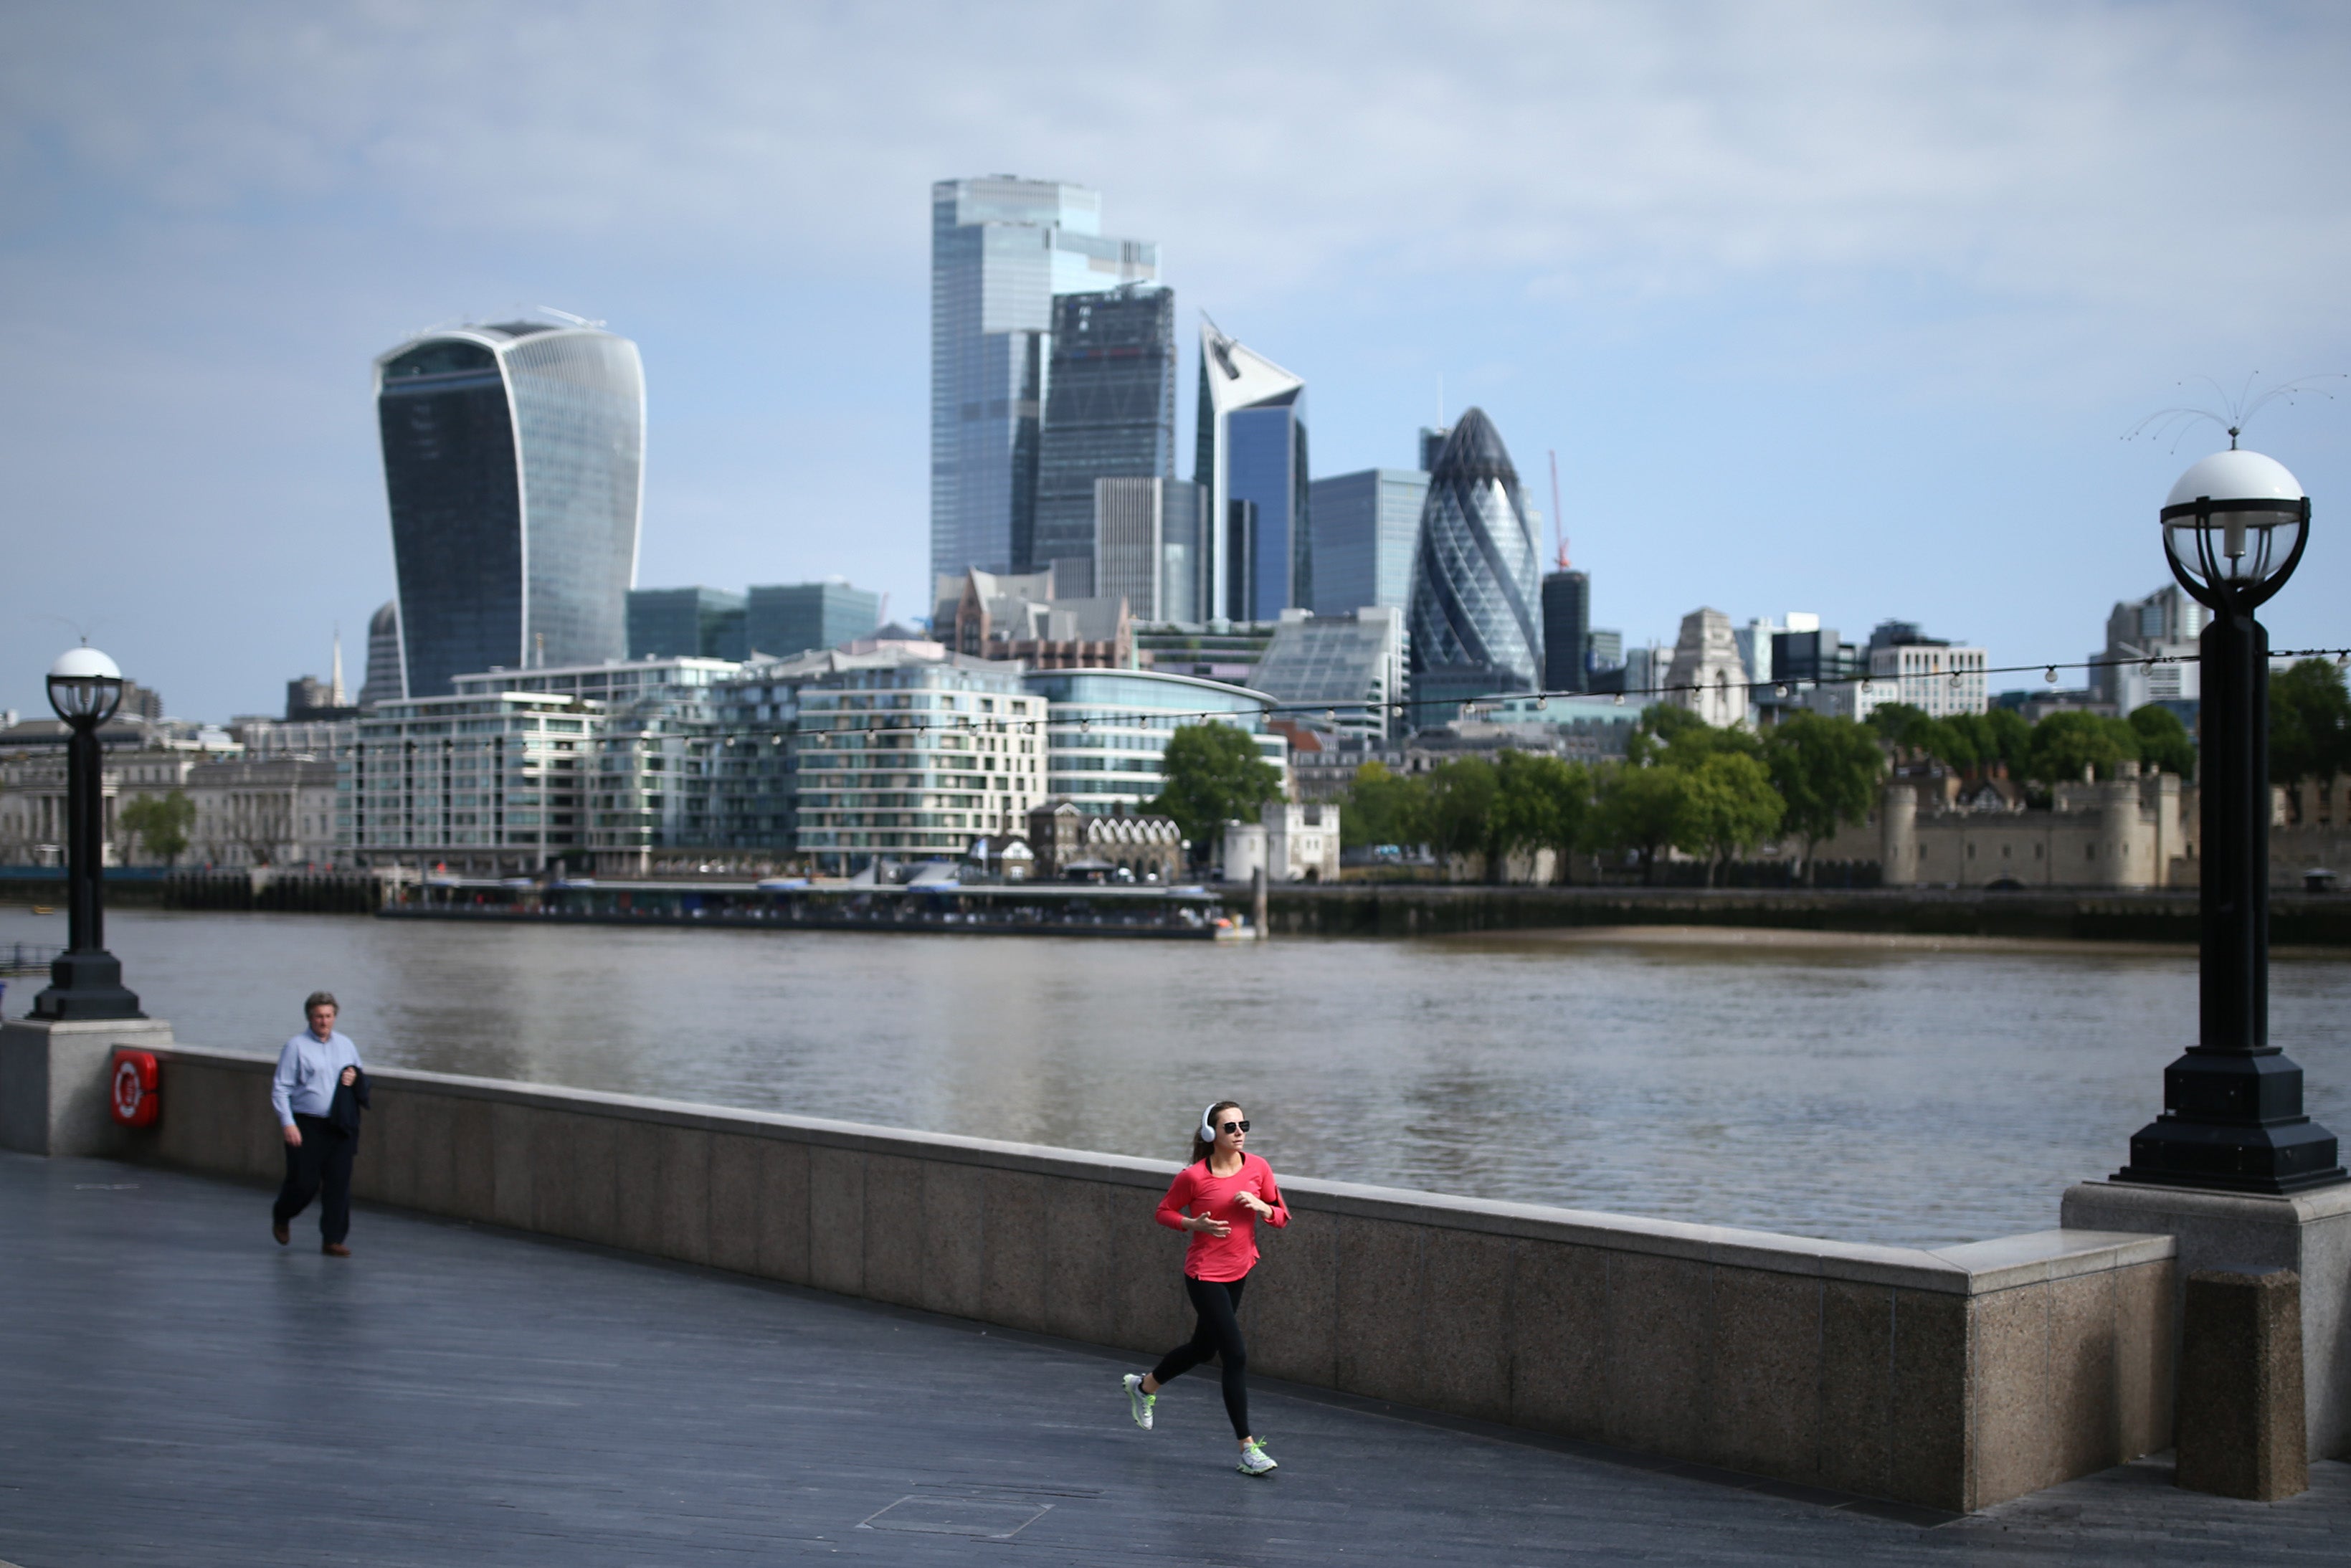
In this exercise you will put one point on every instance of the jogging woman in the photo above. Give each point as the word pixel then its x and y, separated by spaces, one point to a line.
pixel 1219 1197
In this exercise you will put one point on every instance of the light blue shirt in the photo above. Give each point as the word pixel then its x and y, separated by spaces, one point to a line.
pixel 308 1069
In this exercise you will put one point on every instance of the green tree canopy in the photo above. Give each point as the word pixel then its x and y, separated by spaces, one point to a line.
pixel 1383 808
pixel 1677 736
pixel 1641 809
pixel 1826 772
pixel 1215 774
pixel 1999 736
pixel 1459 816
pixel 2066 745
pixel 162 824
pixel 1541 802
pixel 1728 806
pixel 2163 740
pixel 2309 723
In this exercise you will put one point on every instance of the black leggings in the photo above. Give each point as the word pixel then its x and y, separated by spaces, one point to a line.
pixel 1219 1333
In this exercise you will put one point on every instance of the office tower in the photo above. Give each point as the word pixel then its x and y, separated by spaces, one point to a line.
pixel 2165 624
pixel 1364 526
pixel 1352 666
pixel 1432 441
pixel 1110 414
pixel 1811 653
pixel 686 623
pixel 384 681
pixel 1146 548
pixel 1251 460
pixel 1924 672
pixel 1604 649
pixel 1475 585
pixel 1001 248
pixel 790 618
pixel 513 460
pixel 1567 631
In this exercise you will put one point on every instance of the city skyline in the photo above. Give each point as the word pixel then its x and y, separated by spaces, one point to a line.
pixel 1955 312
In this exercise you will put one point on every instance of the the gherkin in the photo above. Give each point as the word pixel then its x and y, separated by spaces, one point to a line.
pixel 1475 617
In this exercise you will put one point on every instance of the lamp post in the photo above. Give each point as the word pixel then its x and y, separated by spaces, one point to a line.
pixel 86 980
pixel 2233 530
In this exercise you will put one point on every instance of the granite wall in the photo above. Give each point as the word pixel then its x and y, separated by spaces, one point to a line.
pixel 1953 1379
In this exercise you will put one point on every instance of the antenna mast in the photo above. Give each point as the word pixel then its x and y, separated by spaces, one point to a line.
pixel 1558 524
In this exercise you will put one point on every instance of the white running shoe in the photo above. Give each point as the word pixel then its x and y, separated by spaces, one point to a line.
pixel 1255 1460
pixel 1138 1403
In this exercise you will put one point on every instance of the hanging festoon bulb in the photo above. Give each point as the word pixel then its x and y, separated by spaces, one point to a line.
pixel 1781 690
pixel 2049 675
pixel 1542 701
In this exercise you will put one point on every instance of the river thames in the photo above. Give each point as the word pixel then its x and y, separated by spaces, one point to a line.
pixel 1906 1096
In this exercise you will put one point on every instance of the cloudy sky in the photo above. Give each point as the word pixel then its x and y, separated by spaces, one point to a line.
pixel 1838 308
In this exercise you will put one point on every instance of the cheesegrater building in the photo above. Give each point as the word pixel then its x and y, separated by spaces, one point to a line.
pixel 514 466
pixel 1476 583
pixel 1002 248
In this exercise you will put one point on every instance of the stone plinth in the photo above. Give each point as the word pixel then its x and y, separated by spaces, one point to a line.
pixel 2309 1233
pixel 55 1080
pixel 2240 1402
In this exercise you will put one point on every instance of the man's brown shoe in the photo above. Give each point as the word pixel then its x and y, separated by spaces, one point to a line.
pixel 281 1230
pixel 336 1250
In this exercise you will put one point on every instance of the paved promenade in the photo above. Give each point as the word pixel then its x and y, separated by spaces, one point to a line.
pixel 175 1390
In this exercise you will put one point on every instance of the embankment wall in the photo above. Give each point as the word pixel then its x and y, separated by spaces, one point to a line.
pixel 1950 1379
pixel 1424 910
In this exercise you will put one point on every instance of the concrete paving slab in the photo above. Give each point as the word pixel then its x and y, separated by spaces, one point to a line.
pixel 175 1389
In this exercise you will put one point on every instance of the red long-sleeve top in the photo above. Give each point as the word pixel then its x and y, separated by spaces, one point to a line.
pixel 1222 1259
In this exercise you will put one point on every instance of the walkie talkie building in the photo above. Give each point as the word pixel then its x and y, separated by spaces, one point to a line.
pixel 514 464
pixel 1476 584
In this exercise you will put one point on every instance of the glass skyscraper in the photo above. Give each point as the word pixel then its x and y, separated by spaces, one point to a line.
pixel 1146 546
pixel 686 623
pixel 1251 461
pixel 1110 414
pixel 788 619
pixel 514 465
pixel 1567 631
pixel 1365 526
pixel 1476 581
pixel 1001 249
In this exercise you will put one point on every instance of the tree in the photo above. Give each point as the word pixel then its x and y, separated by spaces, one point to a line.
pixel 1214 774
pixel 1459 816
pixel 1679 737
pixel 1998 736
pixel 1541 802
pixel 2163 740
pixel 1728 806
pixel 2309 723
pixel 160 824
pixel 2067 745
pixel 1641 809
pixel 1826 772
pixel 1381 808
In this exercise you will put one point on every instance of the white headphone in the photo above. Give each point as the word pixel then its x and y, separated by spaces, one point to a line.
pixel 1208 1128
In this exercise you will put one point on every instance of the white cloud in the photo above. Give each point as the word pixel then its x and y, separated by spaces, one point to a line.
pixel 216 215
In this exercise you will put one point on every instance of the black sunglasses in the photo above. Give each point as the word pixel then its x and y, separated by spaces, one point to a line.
pixel 1237 1126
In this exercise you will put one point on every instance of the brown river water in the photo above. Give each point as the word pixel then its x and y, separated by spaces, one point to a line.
pixel 1861 1093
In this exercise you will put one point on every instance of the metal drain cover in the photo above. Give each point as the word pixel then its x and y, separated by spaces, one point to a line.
pixel 981 1519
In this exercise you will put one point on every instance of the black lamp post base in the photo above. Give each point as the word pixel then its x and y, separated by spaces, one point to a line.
pixel 2290 1158
pixel 2232 1122
pixel 86 985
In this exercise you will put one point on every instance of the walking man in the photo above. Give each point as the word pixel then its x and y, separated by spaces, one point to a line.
pixel 317 1095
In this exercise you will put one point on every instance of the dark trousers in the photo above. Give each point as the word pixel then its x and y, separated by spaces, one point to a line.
pixel 1219 1333
pixel 323 1160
